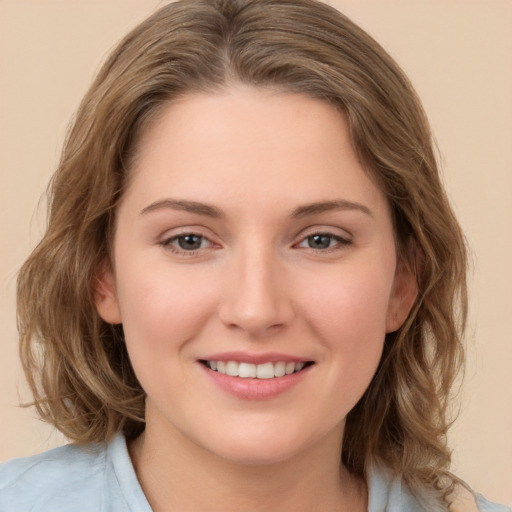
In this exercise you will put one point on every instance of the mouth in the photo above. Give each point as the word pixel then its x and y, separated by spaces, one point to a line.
pixel 264 371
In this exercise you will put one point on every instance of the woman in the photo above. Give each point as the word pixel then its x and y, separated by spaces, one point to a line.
pixel 251 293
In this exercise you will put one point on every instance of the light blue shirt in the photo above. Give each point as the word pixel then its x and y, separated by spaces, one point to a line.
pixel 102 479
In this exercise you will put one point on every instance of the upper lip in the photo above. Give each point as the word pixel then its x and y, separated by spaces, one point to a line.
pixel 255 358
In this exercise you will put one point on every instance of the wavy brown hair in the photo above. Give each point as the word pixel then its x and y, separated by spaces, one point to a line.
pixel 77 365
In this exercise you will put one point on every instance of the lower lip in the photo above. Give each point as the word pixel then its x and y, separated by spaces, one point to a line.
pixel 256 389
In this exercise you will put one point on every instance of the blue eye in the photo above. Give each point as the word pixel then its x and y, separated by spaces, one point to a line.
pixel 323 241
pixel 319 241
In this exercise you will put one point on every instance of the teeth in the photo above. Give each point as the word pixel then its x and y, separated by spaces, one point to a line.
pixel 232 368
pixel 279 369
pixel 265 371
pixel 246 370
pixel 251 371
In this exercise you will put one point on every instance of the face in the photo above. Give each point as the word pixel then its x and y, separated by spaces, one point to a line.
pixel 254 272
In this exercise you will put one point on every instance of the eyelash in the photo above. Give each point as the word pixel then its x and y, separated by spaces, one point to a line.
pixel 340 241
pixel 169 243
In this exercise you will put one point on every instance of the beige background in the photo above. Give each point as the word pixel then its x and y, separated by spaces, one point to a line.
pixel 457 53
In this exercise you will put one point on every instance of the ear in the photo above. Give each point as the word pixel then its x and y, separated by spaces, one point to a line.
pixel 105 295
pixel 403 295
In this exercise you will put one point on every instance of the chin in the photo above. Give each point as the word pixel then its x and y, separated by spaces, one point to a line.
pixel 264 445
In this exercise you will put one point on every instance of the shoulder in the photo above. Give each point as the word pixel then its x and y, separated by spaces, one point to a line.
pixel 93 478
pixel 388 493
pixel 49 480
pixel 465 500
pixel 487 506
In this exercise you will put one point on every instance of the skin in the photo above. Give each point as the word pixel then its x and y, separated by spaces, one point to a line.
pixel 257 283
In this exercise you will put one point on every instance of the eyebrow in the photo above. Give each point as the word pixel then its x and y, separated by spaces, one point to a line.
pixel 211 211
pixel 182 205
pixel 325 206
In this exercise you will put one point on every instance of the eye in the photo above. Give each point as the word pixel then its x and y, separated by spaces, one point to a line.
pixel 323 241
pixel 186 242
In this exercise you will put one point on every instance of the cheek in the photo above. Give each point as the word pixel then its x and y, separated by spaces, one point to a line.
pixel 355 303
pixel 161 311
pixel 349 318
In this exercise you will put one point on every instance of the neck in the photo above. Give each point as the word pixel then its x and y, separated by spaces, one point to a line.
pixel 176 474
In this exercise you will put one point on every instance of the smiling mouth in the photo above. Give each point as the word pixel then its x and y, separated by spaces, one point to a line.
pixel 256 371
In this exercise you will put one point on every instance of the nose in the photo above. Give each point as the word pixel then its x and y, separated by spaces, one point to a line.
pixel 257 300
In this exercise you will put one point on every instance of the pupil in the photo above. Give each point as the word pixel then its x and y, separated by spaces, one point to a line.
pixel 319 241
pixel 189 242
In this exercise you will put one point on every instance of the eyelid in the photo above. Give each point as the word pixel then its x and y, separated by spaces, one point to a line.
pixel 166 240
pixel 321 229
pixel 341 236
pixel 342 239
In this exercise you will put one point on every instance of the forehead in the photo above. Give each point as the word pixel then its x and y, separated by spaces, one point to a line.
pixel 245 114
pixel 250 143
